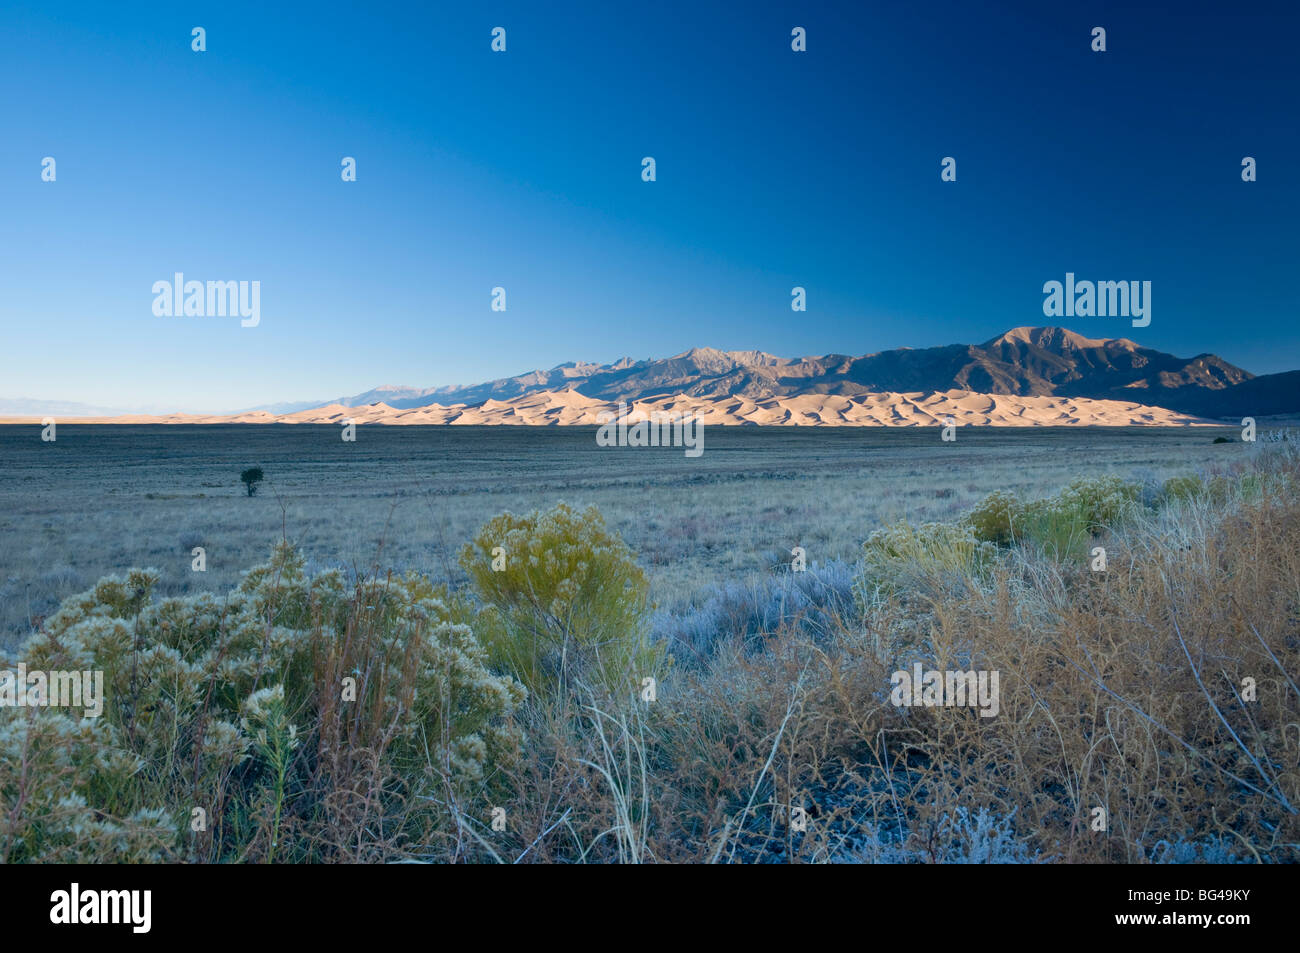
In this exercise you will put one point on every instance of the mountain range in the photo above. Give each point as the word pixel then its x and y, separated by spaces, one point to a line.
pixel 1028 376
pixel 1023 362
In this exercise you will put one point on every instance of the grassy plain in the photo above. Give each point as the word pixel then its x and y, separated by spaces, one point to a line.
pixel 1145 713
pixel 100 499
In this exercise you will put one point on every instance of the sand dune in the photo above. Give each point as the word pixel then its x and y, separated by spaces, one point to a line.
pixel 567 407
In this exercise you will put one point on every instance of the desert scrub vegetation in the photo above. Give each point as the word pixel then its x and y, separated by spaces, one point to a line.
pixel 906 560
pixel 562 599
pixel 1061 524
pixel 299 718
pixel 1147 711
pixel 250 478
pixel 1158 695
pixel 425 491
pixel 817 602
pixel 1137 693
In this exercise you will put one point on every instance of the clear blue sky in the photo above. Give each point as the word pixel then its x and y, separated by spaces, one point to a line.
pixel 522 170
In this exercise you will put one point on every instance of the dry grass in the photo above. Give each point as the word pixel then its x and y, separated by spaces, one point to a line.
pixel 103 498
pixel 1120 691
pixel 1124 694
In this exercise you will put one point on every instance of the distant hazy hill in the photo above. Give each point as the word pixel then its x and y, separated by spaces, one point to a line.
pixel 1031 362
pixel 23 407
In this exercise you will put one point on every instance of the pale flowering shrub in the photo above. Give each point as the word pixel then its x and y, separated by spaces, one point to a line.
pixel 905 557
pixel 256 708
pixel 452 693
pixel 52 766
pixel 565 600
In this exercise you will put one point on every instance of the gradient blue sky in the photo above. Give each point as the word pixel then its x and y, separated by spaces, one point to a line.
pixel 522 169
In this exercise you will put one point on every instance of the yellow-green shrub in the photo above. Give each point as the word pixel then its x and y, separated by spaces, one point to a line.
pixel 1182 488
pixel 1100 501
pixel 995 517
pixel 565 600
pixel 1061 524
pixel 904 556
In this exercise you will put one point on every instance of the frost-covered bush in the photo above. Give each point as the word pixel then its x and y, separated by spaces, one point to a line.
pixel 1210 850
pixel 55 771
pixel 1149 487
pixel 814 601
pixel 191 538
pixel 244 706
pixel 984 837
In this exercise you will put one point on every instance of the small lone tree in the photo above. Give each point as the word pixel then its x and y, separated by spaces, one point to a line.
pixel 250 478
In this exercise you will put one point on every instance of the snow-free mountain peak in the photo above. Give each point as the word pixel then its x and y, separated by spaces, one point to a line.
pixel 1024 361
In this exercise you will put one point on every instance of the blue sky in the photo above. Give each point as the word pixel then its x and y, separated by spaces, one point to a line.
pixel 522 170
